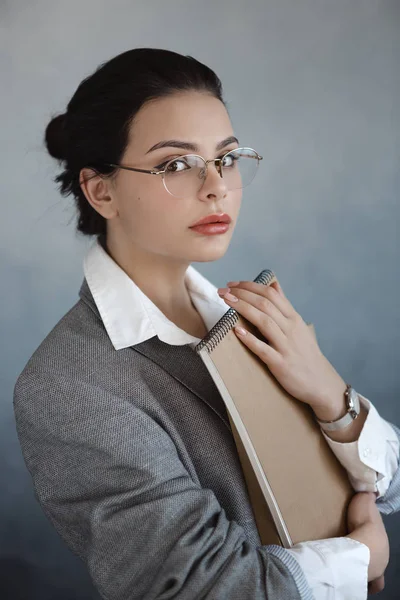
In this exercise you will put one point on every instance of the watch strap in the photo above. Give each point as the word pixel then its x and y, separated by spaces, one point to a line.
pixel 353 410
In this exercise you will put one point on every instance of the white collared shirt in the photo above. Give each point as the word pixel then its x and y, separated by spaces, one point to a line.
pixel 130 317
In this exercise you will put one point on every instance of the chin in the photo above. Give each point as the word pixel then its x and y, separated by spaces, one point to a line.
pixel 210 254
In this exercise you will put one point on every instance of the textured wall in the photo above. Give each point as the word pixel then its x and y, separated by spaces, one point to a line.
pixel 314 86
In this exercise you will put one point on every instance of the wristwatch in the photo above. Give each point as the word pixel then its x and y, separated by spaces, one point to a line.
pixel 353 410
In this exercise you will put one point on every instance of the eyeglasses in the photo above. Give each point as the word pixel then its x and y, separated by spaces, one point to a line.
pixel 185 175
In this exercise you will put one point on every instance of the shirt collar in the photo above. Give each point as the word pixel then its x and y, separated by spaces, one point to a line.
pixel 129 316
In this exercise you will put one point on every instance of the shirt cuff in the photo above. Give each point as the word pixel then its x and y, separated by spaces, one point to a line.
pixel 334 568
pixel 372 460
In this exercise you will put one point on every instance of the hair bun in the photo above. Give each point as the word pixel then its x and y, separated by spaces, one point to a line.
pixel 56 137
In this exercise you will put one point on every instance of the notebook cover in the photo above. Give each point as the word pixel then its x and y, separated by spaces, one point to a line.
pixel 298 489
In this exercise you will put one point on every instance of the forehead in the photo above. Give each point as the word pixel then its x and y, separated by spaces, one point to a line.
pixel 194 117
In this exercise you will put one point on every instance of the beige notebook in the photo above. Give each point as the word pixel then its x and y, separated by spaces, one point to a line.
pixel 298 489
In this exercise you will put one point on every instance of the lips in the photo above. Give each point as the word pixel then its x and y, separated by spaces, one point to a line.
pixel 215 218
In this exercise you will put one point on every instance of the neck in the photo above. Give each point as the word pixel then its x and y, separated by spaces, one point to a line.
pixel 160 278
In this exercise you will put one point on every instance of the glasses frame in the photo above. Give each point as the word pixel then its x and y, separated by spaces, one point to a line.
pixel 217 162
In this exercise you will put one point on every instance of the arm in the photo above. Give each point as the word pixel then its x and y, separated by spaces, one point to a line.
pixel 371 455
pixel 110 480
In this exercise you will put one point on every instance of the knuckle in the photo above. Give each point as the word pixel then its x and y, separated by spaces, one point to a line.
pixel 263 354
pixel 266 321
pixel 265 304
pixel 295 319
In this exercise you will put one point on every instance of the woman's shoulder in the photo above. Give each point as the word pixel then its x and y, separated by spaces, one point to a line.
pixel 76 340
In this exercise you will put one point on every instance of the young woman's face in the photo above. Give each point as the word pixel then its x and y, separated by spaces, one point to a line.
pixel 150 217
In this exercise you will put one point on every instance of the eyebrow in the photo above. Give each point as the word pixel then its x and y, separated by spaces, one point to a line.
pixel 189 146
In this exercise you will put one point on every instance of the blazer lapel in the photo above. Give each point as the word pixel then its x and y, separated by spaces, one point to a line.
pixel 182 362
pixel 185 365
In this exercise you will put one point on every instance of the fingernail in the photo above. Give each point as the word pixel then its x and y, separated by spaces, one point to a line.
pixel 240 330
pixel 223 291
pixel 231 297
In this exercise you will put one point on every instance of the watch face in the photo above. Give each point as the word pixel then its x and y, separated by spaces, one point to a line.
pixel 354 403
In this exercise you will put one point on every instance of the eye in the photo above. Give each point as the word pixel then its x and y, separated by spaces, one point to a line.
pixel 230 160
pixel 175 166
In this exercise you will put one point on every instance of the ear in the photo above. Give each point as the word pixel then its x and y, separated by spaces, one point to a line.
pixel 97 190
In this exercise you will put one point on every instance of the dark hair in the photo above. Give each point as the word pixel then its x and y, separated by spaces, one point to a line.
pixel 95 127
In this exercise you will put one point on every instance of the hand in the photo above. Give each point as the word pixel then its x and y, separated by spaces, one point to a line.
pixel 365 525
pixel 290 349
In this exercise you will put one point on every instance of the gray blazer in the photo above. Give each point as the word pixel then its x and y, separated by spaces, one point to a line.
pixel 134 462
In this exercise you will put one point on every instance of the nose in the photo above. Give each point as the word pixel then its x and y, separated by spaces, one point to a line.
pixel 214 186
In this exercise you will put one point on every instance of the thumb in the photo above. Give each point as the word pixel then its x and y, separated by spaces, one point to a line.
pixel 376 586
pixel 361 510
pixel 278 287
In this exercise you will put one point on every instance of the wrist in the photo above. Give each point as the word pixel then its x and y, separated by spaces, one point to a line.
pixel 333 411
pixel 364 535
pixel 375 538
pixel 334 406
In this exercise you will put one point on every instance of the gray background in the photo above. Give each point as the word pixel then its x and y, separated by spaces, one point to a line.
pixel 314 86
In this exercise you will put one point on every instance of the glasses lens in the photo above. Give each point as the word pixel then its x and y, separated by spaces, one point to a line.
pixel 184 176
pixel 239 168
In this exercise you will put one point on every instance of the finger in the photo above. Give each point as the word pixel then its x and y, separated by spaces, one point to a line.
pixel 264 304
pixel 270 292
pixel 266 353
pixel 264 323
pixel 376 586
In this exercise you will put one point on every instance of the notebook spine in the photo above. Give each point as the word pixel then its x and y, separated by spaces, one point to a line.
pixel 228 320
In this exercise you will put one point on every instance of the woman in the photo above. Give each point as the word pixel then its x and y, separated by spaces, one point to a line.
pixel 122 429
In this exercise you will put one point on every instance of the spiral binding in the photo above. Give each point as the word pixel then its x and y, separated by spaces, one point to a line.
pixel 228 320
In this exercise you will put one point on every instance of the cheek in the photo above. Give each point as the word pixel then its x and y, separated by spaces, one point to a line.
pixel 236 201
pixel 145 207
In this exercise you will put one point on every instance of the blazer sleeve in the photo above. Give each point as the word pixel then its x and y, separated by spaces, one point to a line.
pixel 109 478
